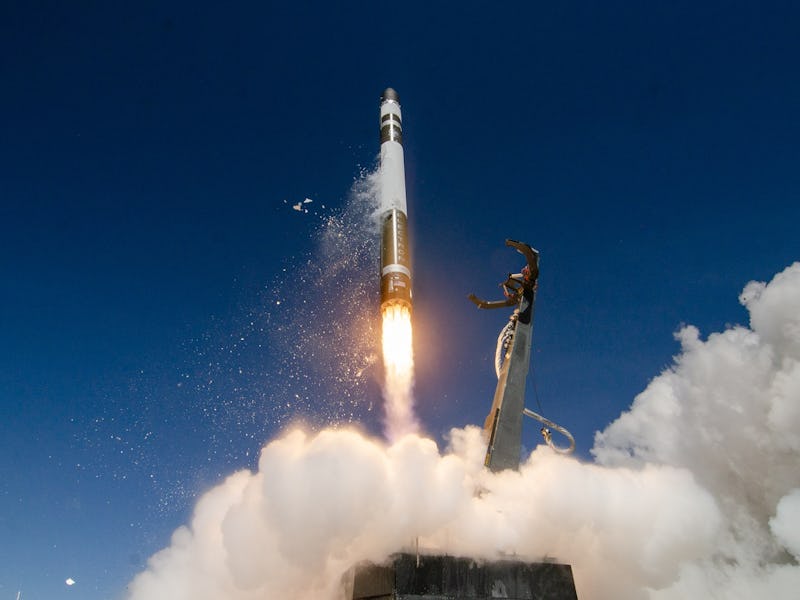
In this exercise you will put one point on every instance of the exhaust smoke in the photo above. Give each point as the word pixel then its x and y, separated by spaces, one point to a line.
pixel 695 492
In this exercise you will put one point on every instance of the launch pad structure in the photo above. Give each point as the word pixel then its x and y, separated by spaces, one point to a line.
pixel 411 577
pixel 439 576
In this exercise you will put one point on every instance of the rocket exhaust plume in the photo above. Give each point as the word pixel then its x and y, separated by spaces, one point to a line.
pixel 398 358
pixel 398 363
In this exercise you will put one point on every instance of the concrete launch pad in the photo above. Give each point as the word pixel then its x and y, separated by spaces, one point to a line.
pixel 438 577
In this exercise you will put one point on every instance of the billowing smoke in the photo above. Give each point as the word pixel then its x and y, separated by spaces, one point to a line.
pixel 728 411
pixel 696 491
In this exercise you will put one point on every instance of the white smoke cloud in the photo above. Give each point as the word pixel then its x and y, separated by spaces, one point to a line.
pixel 728 411
pixel 786 523
pixel 696 491
pixel 321 504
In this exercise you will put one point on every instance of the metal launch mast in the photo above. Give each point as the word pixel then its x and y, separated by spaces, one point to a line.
pixel 503 426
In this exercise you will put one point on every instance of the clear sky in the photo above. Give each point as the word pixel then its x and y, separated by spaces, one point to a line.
pixel 150 155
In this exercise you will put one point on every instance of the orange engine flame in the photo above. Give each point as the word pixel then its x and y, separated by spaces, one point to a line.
pixel 398 360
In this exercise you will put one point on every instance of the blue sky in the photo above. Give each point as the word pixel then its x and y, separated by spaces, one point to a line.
pixel 149 158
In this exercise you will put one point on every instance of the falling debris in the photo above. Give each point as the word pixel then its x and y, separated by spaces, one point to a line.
pixel 301 206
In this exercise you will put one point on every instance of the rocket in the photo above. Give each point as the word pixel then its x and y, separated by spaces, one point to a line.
pixel 395 261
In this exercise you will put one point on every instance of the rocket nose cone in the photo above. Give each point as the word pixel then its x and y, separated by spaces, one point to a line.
pixel 390 94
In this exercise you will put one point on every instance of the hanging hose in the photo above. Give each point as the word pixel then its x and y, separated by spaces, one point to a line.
pixel 546 431
pixel 503 341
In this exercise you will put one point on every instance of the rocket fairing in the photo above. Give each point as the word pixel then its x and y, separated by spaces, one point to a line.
pixel 395 260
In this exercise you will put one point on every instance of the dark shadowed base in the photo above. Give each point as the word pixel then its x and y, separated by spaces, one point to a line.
pixel 437 577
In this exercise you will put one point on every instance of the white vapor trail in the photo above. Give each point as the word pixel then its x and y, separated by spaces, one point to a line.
pixel 695 491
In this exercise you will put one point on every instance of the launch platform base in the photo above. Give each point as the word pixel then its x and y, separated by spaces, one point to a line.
pixel 438 577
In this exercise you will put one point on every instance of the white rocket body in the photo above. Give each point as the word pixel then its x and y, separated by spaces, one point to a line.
pixel 395 258
pixel 392 179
